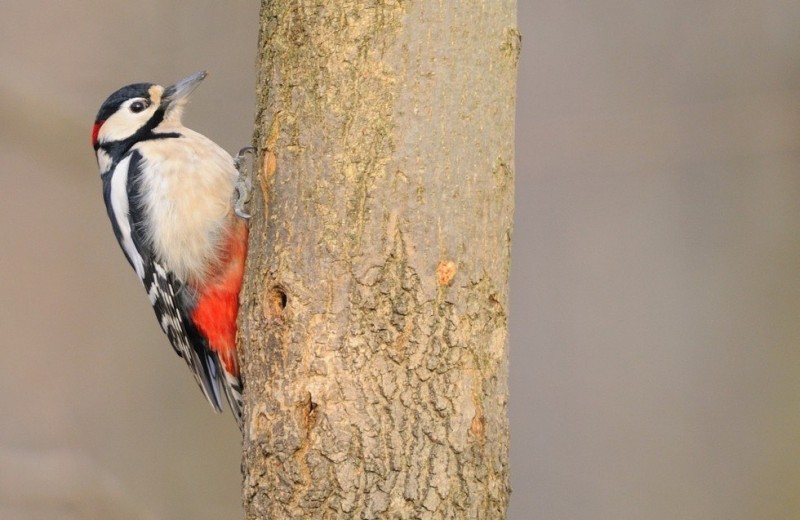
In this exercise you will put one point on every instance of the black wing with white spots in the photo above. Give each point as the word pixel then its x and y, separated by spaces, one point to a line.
pixel 172 302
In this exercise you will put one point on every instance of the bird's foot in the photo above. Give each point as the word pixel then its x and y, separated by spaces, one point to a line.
pixel 245 163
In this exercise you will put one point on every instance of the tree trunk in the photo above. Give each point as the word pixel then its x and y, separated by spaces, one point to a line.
pixel 374 311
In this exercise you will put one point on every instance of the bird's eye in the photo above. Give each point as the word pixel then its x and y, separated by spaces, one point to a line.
pixel 137 106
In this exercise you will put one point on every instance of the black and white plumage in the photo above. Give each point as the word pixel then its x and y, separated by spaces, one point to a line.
pixel 169 195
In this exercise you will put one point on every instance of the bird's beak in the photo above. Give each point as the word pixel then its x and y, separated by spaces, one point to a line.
pixel 175 96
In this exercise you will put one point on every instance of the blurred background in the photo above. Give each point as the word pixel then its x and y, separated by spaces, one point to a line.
pixel 655 303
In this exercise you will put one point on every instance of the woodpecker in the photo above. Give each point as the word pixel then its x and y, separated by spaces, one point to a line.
pixel 170 194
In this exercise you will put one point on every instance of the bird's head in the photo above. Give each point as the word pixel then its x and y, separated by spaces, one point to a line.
pixel 135 110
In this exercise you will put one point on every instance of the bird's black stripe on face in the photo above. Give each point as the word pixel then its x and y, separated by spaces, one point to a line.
pixel 118 149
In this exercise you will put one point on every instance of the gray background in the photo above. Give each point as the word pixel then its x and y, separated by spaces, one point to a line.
pixel 655 292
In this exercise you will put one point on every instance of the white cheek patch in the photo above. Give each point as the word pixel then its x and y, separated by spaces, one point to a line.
pixel 124 123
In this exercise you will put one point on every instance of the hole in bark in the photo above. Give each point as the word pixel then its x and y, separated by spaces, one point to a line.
pixel 277 301
pixel 307 408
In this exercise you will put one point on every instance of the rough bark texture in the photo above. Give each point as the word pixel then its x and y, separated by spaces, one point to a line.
pixel 374 317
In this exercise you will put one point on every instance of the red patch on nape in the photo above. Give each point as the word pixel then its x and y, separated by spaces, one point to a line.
pixel 95 131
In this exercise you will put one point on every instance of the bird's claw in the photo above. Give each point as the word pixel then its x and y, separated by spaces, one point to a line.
pixel 245 163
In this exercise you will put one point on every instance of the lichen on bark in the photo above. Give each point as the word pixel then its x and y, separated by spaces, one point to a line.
pixel 374 311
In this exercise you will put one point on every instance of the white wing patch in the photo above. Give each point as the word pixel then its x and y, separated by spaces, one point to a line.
pixel 120 210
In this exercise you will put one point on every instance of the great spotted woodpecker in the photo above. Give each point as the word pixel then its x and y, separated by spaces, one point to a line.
pixel 170 195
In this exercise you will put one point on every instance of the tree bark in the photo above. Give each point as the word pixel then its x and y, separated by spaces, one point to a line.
pixel 374 310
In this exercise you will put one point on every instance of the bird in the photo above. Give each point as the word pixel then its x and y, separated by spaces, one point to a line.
pixel 171 195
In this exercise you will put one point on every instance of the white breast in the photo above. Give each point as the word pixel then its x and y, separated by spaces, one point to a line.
pixel 187 187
